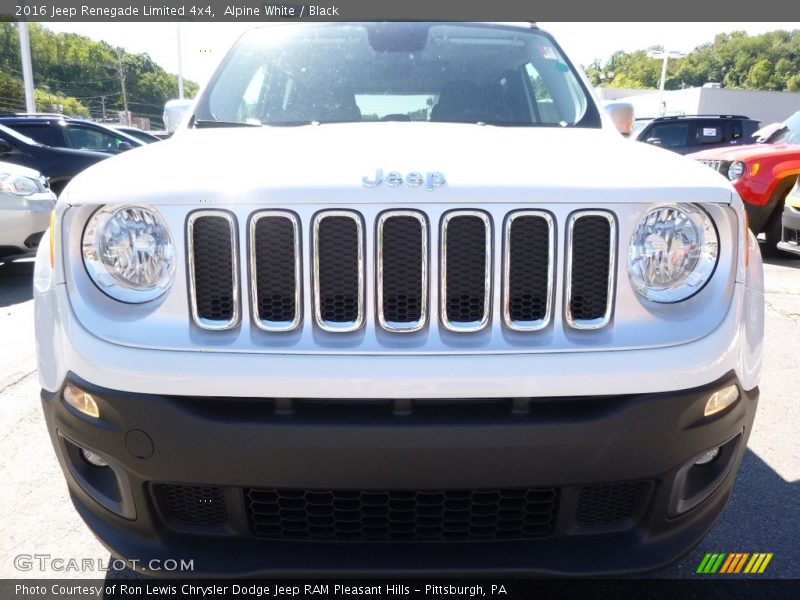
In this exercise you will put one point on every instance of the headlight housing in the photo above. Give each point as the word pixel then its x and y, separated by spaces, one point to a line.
pixel 736 170
pixel 129 253
pixel 673 252
pixel 20 185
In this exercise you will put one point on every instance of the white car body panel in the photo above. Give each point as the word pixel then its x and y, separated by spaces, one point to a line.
pixel 23 216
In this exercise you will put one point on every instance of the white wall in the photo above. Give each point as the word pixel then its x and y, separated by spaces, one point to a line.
pixel 767 107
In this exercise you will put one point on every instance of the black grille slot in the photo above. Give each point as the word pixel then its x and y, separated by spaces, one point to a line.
pixel 403 259
pixel 213 270
pixel 276 267
pixel 591 246
pixel 192 504
pixel 383 515
pixel 609 503
pixel 338 248
pixel 466 257
pixel 528 269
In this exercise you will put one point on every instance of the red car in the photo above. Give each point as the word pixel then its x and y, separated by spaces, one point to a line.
pixel 763 174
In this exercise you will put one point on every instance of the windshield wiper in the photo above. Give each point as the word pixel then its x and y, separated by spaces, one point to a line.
pixel 209 123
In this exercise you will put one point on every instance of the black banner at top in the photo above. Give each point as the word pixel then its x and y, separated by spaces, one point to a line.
pixel 370 10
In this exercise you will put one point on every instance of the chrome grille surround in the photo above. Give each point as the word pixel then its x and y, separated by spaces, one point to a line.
pixel 487 291
pixel 506 298
pixel 275 326
pixel 393 326
pixel 201 322
pixel 605 319
pixel 323 324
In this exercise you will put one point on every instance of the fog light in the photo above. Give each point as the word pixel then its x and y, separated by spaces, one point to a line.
pixel 93 458
pixel 707 457
pixel 721 399
pixel 81 401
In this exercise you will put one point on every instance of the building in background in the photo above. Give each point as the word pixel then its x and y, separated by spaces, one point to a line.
pixel 767 107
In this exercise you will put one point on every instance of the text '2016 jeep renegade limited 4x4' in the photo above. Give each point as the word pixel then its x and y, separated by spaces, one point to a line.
pixel 398 298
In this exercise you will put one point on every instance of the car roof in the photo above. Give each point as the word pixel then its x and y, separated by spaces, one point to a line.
pixel 679 117
pixel 50 119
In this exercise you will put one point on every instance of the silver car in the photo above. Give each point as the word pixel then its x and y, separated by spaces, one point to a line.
pixel 25 205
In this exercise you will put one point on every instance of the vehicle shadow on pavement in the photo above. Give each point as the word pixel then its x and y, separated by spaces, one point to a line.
pixel 16 282
pixel 761 517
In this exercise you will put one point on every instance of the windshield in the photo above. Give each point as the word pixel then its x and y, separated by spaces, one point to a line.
pixel 344 72
pixel 790 132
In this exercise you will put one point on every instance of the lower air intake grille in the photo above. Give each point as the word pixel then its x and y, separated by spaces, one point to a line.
pixel 610 503
pixel 590 269
pixel 192 504
pixel 212 266
pixel 402 515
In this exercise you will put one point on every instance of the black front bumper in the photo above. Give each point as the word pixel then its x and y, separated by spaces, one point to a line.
pixel 194 478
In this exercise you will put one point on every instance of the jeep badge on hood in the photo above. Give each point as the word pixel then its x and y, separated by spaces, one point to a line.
pixel 431 179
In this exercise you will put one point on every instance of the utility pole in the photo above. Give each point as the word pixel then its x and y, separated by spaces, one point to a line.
pixel 180 62
pixel 665 55
pixel 121 75
pixel 27 68
pixel 103 104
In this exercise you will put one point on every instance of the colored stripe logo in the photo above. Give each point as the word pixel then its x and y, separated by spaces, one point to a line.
pixel 733 563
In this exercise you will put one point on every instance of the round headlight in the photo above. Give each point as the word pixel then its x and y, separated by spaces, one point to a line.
pixel 673 252
pixel 736 170
pixel 129 253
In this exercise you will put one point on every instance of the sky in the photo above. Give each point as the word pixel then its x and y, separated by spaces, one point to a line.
pixel 204 44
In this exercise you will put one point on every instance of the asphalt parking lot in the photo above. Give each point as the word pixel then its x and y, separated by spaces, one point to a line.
pixel 38 517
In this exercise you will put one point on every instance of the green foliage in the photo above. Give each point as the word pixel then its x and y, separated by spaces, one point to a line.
pixel 769 61
pixel 48 102
pixel 81 75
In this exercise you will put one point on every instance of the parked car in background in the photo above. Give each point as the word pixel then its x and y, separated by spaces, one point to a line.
pixel 60 131
pixel 763 174
pixel 143 136
pixel 26 202
pixel 790 238
pixel 59 165
pixel 692 133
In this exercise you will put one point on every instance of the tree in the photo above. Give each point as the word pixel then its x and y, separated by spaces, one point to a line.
pixel 769 61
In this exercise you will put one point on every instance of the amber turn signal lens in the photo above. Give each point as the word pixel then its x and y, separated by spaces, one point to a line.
pixel 81 401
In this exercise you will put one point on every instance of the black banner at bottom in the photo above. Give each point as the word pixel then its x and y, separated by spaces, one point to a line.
pixel 509 589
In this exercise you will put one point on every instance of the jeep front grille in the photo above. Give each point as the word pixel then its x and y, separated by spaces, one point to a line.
pixel 407 291
pixel 402 270
pixel 720 166
pixel 591 248
pixel 338 271
pixel 275 270
pixel 213 269
pixel 466 270
pixel 528 270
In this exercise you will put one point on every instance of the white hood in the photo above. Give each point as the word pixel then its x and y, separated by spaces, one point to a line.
pixel 481 164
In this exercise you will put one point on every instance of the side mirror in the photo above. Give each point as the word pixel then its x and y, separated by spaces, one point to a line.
pixel 621 114
pixel 174 112
pixel 5 147
pixel 654 141
pixel 123 146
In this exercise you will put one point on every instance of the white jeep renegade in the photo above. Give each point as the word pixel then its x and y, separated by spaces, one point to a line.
pixel 397 297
